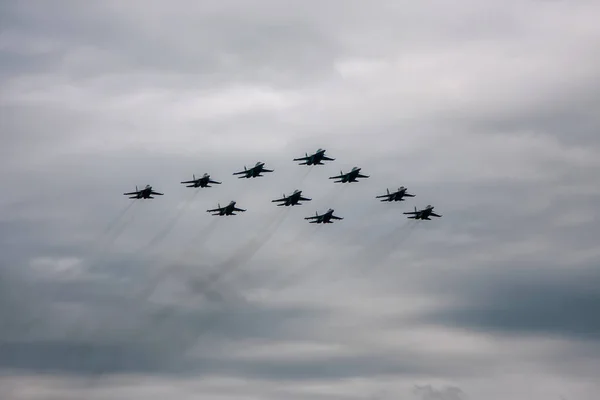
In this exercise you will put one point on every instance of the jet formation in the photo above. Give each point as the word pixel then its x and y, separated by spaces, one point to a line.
pixel 295 198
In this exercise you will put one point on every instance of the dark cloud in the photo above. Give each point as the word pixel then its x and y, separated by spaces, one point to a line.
pixel 524 301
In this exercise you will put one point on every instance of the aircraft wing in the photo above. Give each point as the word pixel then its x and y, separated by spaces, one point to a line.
pixel 156 193
pixel 302 158
pixel 327 158
pixel 267 170
pixel 434 215
pixel 245 171
pixel 384 196
pixel 408 195
pixel 313 217
pixel 132 193
pixel 362 176
pixel 338 176
pixel 412 212
pixel 215 182
pixel 303 199
pixel 276 200
pixel 334 217
pixel 190 181
pixel 216 209
pixel 238 209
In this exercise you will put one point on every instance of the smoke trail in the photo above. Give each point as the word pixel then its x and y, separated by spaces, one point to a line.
pixel 285 277
pixel 95 244
pixel 306 174
pixel 390 246
pixel 169 226
pixel 335 194
pixel 243 255
pixel 200 238
pixel 111 239
pixel 115 220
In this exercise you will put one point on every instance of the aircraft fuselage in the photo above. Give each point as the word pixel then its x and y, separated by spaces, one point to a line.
pixel 316 159
pixel 145 193
pixel 228 210
pixel 351 176
pixel 424 214
pixel 398 196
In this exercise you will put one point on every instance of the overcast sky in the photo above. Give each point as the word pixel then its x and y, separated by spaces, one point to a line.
pixel 487 110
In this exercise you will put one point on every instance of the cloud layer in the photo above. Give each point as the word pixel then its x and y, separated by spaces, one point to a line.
pixel 486 111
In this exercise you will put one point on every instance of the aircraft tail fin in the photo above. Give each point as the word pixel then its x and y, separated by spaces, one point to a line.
pixel 388 191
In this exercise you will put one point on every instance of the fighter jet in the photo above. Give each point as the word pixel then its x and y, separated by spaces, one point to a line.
pixel 227 210
pixel 422 214
pixel 254 171
pixel 349 177
pixel 314 159
pixel 395 196
pixel 324 218
pixel 204 181
pixel 291 200
pixel 145 193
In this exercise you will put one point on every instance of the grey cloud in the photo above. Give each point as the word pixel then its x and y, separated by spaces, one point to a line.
pixel 224 46
pixel 430 393
pixel 541 301
pixel 481 110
